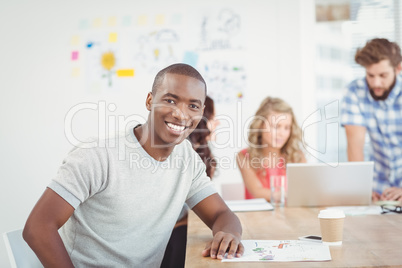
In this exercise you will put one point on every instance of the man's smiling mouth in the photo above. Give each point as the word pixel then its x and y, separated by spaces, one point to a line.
pixel 175 127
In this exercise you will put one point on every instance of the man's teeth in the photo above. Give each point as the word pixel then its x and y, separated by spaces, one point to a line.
pixel 175 127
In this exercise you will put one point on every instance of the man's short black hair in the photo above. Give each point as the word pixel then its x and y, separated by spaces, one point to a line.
pixel 177 68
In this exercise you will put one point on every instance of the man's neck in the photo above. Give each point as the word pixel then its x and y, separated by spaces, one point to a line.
pixel 144 137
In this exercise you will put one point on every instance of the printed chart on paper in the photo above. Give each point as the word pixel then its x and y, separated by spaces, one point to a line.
pixel 282 251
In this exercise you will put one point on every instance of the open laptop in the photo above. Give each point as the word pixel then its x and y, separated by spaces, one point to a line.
pixel 319 184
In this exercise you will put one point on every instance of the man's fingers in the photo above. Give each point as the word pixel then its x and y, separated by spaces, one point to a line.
pixel 240 250
pixel 386 194
pixel 215 246
pixel 223 247
pixel 395 195
pixel 392 193
pixel 221 244
pixel 212 247
pixel 207 250
pixel 233 249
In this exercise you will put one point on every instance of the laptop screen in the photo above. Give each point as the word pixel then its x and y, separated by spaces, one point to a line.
pixel 334 184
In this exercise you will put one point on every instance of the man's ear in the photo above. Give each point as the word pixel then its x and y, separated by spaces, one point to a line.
pixel 398 68
pixel 148 102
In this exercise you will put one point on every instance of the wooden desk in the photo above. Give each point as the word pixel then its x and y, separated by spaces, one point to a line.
pixel 370 240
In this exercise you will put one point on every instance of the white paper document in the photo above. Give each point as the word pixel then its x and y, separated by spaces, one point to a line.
pixel 257 204
pixel 282 251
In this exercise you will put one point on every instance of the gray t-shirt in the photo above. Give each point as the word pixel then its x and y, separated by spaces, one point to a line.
pixel 126 203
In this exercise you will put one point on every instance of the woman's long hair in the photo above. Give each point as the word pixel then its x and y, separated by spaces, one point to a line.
pixel 291 150
pixel 198 137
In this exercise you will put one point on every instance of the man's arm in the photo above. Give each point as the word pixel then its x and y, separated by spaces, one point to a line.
pixel 355 137
pixel 225 226
pixel 41 229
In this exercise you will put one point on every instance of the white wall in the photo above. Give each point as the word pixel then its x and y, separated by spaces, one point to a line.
pixel 37 89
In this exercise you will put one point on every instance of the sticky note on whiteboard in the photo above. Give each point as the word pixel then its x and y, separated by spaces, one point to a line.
pixel 125 72
pixel 74 55
pixel 113 37
pixel 191 58
pixel 142 20
pixel 75 72
pixel 97 22
pixel 176 19
pixel 75 40
pixel 126 21
pixel 160 19
pixel 112 21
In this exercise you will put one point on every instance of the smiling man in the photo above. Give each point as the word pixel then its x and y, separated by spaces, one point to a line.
pixel 112 213
pixel 374 105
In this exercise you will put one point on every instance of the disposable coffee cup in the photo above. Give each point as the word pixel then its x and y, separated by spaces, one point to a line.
pixel 331 223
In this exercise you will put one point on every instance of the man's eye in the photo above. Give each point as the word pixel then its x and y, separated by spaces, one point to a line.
pixel 193 106
pixel 170 101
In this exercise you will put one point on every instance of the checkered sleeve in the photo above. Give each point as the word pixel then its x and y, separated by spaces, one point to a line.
pixel 350 107
pixel 379 185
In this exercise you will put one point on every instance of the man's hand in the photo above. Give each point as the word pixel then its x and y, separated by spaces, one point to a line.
pixel 392 193
pixel 222 243
pixel 375 196
pixel 225 226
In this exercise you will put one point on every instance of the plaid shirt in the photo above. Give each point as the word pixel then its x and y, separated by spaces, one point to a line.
pixel 383 121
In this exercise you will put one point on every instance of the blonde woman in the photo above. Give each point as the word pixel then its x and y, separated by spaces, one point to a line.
pixel 274 140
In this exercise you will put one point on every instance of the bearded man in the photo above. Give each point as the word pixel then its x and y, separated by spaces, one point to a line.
pixel 373 105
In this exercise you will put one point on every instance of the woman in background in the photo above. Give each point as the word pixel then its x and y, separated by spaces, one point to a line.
pixel 274 140
pixel 203 133
pixel 175 253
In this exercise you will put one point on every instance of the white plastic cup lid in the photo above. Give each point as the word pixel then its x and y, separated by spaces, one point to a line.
pixel 331 214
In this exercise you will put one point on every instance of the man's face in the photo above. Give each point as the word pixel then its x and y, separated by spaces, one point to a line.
pixel 176 109
pixel 380 78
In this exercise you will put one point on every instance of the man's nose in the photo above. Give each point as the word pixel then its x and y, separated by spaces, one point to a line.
pixel 180 112
pixel 376 82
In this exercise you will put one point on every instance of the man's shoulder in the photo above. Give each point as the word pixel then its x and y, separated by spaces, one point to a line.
pixel 357 85
pixel 356 91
